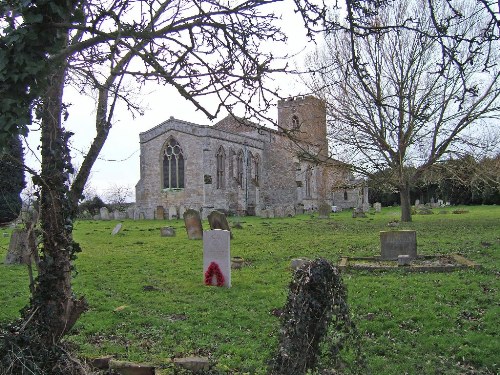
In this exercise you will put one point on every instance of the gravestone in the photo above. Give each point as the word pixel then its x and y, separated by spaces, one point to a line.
pixel 399 242
pixel 172 213
pixel 358 213
pixel 159 213
pixel 324 210
pixel 104 213
pixel 270 212
pixel 289 211
pixel 116 229
pixel 377 206
pixel 119 215
pixel 18 252
pixel 216 249
pixel 417 202
pixel 299 209
pixel 182 209
pixel 217 220
pixel 192 222
pixel 131 213
pixel 167 232
pixel 142 216
pixel 279 211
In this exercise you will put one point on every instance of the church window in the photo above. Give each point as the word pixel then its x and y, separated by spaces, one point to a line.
pixel 256 166
pixel 173 165
pixel 239 168
pixel 295 122
pixel 221 166
pixel 308 182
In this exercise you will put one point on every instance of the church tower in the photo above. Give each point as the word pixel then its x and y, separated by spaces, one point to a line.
pixel 304 118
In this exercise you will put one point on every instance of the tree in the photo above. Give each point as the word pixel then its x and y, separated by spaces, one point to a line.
pixel 11 180
pixel 400 99
pixel 201 48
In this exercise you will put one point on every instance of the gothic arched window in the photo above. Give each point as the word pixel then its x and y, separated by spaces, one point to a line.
pixel 221 167
pixel 173 165
pixel 239 168
pixel 295 122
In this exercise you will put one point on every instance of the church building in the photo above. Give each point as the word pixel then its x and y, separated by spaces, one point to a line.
pixel 241 168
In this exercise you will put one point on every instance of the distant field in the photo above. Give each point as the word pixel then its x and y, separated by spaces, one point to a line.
pixel 148 302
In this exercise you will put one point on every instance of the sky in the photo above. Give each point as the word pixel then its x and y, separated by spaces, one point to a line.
pixel 118 163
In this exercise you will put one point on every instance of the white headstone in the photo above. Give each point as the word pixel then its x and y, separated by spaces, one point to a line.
pixel 216 249
pixel 172 212
pixel 182 209
pixel 377 206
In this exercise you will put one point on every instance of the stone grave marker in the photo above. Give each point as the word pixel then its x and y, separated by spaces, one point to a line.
pixel 18 252
pixel 324 210
pixel 167 232
pixel 104 213
pixel 160 213
pixel 417 202
pixel 172 213
pixel 289 211
pixel 131 212
pixel 192 222
pixel 116 229
pixel 279 211
pixel 377 206
pixel 358 213
pixel 216 257
pixel 182 209
pixel 217 220
pixel 398 242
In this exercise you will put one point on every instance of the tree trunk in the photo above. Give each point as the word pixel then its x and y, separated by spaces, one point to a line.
pixel 404 193
pixel 54 310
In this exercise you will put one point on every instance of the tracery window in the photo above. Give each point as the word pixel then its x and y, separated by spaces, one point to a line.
pixel 239 168
pixel 221 167
pixel 173 165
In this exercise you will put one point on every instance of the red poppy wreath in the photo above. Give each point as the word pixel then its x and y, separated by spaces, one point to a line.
pixel 214 270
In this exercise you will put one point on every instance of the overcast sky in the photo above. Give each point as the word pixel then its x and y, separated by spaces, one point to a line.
pixel 118 164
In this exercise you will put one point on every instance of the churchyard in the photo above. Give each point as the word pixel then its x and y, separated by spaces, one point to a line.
pixel 149 303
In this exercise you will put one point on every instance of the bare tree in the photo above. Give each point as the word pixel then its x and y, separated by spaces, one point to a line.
pixel 398 103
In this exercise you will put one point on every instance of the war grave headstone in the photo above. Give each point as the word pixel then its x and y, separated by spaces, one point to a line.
pixel 104 213
pixel 192 221
pixel 398 242
pixel 217 258
pixel 217 220
pixel 167 232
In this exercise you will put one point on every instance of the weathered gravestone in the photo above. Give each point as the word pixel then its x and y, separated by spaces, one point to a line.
pixel 377 206
pixel 398 242
pixel 217 220
pixel 279 211
pixel 217 258
pixel 131 212
pixel 18 248
pixel 358 213
pixel 119 215
pixel 160 213
pixel 104 213
pixel 172 213
pixel 167 232
pixel 116 229
pixel 324 210
pixel 192 222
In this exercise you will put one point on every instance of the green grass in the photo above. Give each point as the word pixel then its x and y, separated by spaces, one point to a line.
pixel 409 323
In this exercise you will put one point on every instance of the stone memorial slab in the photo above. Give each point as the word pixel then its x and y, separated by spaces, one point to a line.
pixel 289 211
pixel 279 211
pixel 217 220
pixel 172 213
pixel 159 213
pixel 18 252
pixel 131 213
pixel 324 210
pixel 167 232
pixel 104 213
pixel 182 209
pixel 398 242
pixel 216 255
pixel 417 202
pixel 119 215
pixel 377 206
pixel 116 229
pixel 270 212
pixel 404 260
pixel 192 221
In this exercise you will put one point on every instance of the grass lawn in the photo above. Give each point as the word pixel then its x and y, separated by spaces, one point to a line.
pixel 148 302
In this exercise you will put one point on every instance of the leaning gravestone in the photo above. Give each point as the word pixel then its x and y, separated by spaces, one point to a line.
pixel 116 229
pixel 217 258
pixel 218 220
pixel 18 248
pixel 192 222
pixel 398 242
pixel 324 210
pixel 104 213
